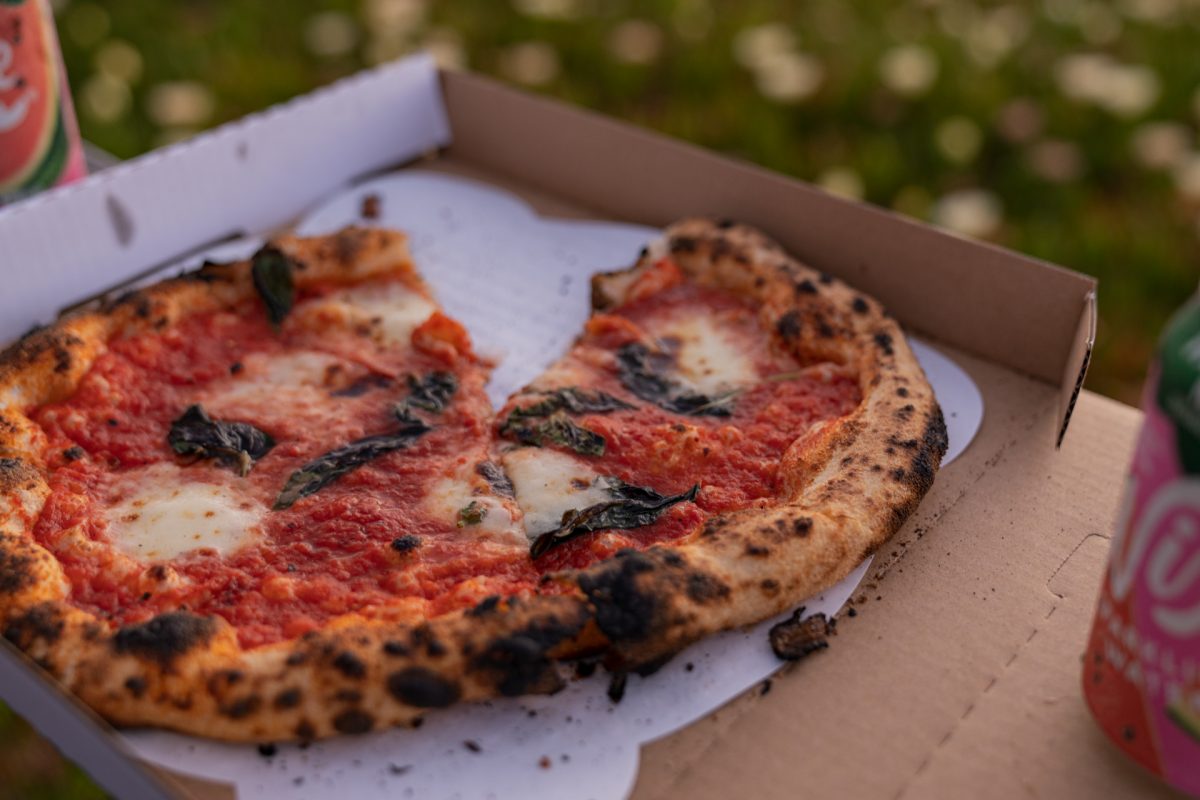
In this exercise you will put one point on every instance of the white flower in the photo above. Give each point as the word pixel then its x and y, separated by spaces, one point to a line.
pixel 330 34
pixel 531 63
pixel 959 139
pixel 1187 177
pixel 1055 160
pixel 120 60
pixel 635 41
pixel 970 212
pixel 180 104
pixel 909 69
pixel 1121 89
pixel 105 97
pixel 789 77
pixel 549 9
pixel 752 47
pixel 841 181
pixel 1161 145
pixel 392 18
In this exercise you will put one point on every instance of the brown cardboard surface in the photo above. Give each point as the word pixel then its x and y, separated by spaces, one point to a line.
pixel 960 674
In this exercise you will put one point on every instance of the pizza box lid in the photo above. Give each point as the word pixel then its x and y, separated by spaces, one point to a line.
pixel 899 683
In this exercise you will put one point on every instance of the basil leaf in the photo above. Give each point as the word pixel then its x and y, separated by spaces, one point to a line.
pixel 494 475
pixel 644 373
pixel 325 469
pixel 271 271
pixel 432 392
pixel 235 444
pixel 576 401
pixel 631 507
pixel 472 514
pixel 559 429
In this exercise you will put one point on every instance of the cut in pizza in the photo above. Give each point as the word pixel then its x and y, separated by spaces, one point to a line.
pixel 270 500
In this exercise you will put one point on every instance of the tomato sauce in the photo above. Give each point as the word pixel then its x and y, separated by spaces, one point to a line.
pixel 332 553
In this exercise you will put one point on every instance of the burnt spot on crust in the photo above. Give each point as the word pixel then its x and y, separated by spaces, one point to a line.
pixel 349 665
pixel 757 551
pixel 825 278
pixel 296 659
pixel 770 587
pixel 800 636
pixel 43 623
pixel 164 637
pixel 288 698
pixel 902 392
pixel 305 731
pixel 806 287
pixel 788 325
pixel 884 341
pixel 73 453
pixel 704 588
pixel 684 244
pixel 16 570
pixel 802 526
pixel 520 661
pixel 624 610
pixel 135 686
pixel 673 559
pixel 394 648
pixel 860 305
pixel 898 474
pixel 423 636
pixel 485 607
pixel 713 526
pixel 353 721
pixel 419 687
pixel 242 707
pixel 725 224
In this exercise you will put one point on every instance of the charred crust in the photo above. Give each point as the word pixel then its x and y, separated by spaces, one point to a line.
pixel 800 636
pixel 802 526
pixel 673 559
pixel 859 305
pixel 349 665
pixel 242 707
pixel 520 662
pixel 16 570
pixel 905 412
pixel 135 685
pixel 725 224
pixel 825 278
pixel 422 688
pixel 883 340
pixel 806 286
pixel 43 623
pixel 788 325
pixel 902 392
pixel 288 698
pixel 395 648
pixel 770 587
pixel 353 721
pixel 296 659
pixel 625 610
pixel 485 607
pixel 164 637
pixel 683 244
pixel 305 731
pixel 703 588
pixel 757 551
pixel 423 636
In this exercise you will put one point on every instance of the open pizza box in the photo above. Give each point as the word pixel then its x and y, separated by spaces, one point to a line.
pixel 956 622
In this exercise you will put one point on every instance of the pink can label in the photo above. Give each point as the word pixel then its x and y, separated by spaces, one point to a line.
pixel 1142 668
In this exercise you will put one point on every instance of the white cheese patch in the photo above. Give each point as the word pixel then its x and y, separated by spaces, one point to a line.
pixel 392 309
pixel 449 495
pixel 709 358
pixel 264 376
pixel 549 483
pixel 164 515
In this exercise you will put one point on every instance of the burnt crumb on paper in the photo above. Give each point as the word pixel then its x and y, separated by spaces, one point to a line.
pixel 370 206
pixel 800 636
pixel 472 745
pixel 399 769
pixel 544 762
pixel 616 686
pixel 764 688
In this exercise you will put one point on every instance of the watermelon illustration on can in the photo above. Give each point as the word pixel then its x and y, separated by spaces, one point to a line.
pixel 39 138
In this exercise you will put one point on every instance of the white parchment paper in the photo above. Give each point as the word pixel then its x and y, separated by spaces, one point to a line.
pixel 520 284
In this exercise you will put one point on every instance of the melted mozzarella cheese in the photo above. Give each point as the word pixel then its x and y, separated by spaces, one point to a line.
pixel 709 358
pixel 548 484
pixel 449 495
pixel 393 310
pixel 263 376
pixel 163 515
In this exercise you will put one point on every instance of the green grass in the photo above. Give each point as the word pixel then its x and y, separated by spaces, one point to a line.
pixel 1058 174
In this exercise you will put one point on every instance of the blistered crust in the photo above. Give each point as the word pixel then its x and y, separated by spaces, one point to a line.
pixel 850 484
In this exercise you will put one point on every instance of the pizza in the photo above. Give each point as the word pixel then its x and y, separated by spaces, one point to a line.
pixel 269 500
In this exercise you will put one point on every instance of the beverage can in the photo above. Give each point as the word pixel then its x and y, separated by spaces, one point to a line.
pixel 39 138
pixel 1141 671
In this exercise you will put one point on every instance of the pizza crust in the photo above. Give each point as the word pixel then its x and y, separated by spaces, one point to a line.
pixel 851 483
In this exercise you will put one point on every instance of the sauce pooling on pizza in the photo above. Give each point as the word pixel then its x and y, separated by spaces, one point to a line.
pixel 284 466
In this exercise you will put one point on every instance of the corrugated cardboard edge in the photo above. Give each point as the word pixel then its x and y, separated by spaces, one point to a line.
pixel 1077 364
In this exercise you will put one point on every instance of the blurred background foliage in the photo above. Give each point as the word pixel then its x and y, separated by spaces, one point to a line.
pixel 1065 129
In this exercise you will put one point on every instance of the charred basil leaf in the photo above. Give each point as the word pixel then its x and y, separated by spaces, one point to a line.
pixel 494 475
pixel 643 372
pixel 325 469
pixel 363 385
pixel 430 393
pixel 559 429
pixel 472 514
pixel 576 401
pixel 631 507
pixel 271 270
pixel 235 444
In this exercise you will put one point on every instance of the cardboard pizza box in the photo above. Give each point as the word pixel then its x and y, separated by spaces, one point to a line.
pixel 959 671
